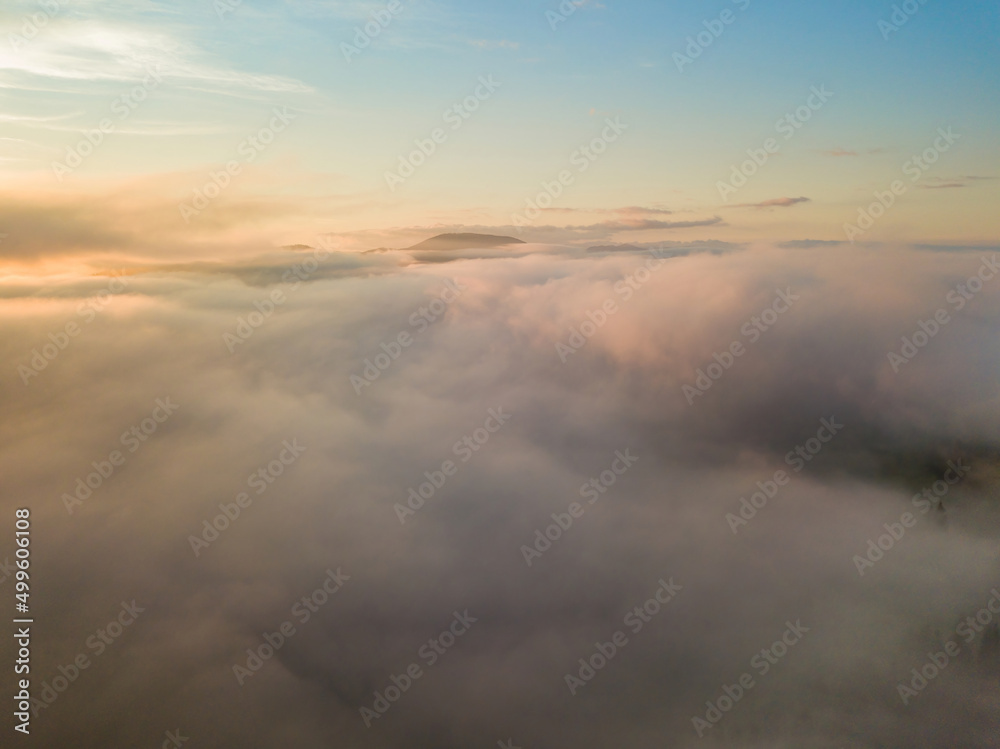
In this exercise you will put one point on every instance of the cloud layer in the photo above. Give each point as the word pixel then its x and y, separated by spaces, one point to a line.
pixel 483 336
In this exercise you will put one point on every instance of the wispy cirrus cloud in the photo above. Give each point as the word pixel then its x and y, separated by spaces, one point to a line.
pixel 70 54
pixel 36 121
pixel 494 44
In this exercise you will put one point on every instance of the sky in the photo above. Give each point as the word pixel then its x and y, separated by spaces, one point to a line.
pixel 513 366
pixel 559 75
pixel 700 449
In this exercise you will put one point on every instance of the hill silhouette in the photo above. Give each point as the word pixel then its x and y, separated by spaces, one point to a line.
pixel 448 242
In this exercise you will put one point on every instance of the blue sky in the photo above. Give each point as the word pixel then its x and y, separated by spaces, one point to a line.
pixel 225 70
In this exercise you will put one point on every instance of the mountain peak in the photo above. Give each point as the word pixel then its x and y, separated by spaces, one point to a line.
pixel 445 242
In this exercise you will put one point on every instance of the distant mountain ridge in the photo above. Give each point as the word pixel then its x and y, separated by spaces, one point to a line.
pixel 450 242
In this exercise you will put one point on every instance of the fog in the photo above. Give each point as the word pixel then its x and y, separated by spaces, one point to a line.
pixel 526 333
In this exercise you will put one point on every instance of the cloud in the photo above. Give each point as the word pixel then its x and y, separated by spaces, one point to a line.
pixel 605 229
pixel 94 52
pixel 978 248
pixel 809 243
pixel 644 224
pixel 773 203
pixel 573 234
pixel 625 212
pixel 494 347
pixel 939 183
pixel 36 120
pixel 494 44
pixel 138 217
pixel 837 152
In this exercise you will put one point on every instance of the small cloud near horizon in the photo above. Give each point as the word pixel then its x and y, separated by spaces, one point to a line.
pixel 632 210
pixel 845 152
pixel 940 183
pixel 774 203
pixel 805 244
